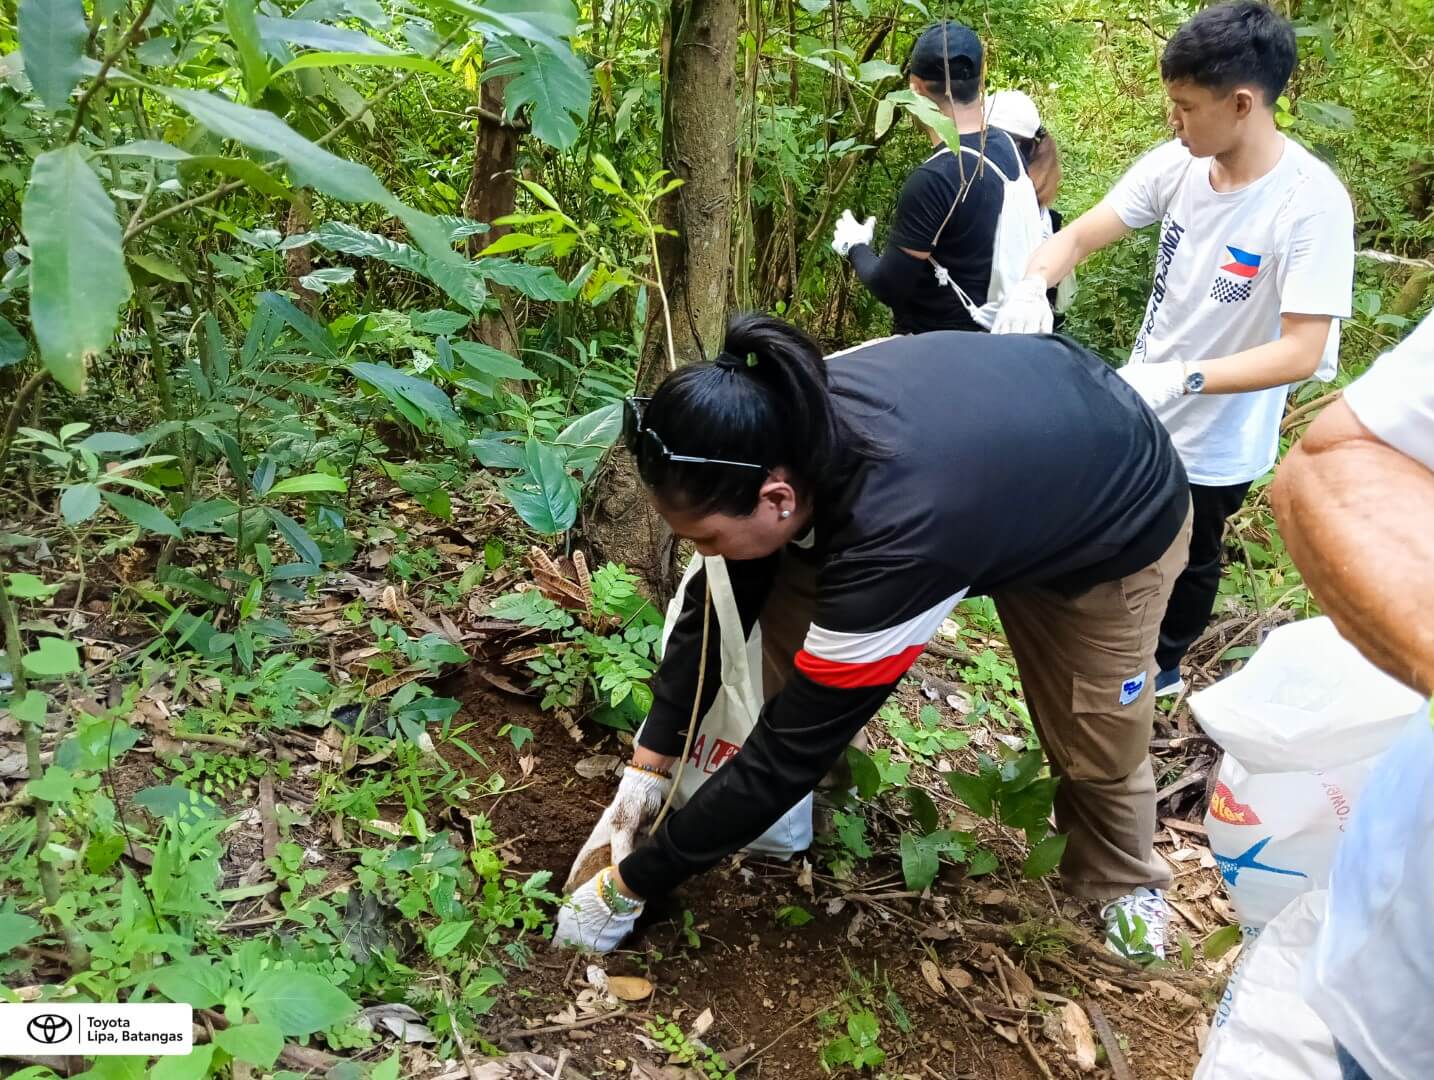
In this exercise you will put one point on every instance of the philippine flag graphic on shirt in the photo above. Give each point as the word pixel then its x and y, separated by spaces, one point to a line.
pixel 1245 266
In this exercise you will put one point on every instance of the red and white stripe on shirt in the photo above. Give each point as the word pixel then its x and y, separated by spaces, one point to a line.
pixel 870 658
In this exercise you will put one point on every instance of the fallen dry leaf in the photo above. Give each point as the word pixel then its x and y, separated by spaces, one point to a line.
pixel 1167 992
pixel 932 974
pixel 590 768
pixel 629 987
pixel 958 977
pixel 1069 1028
pixel 702 1025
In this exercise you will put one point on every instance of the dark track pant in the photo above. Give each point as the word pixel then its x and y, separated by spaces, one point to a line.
pixel 1193 598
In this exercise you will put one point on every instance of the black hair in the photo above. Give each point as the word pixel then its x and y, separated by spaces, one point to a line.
pixel 766 400
pixel 947 57
pixel 1230 45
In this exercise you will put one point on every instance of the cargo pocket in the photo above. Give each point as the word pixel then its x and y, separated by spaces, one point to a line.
pixel 1108 740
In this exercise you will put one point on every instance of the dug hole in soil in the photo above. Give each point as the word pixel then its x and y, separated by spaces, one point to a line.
pixel 777 993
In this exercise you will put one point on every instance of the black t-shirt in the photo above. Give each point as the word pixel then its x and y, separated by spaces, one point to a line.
pixel 1006 461
pixel 964 246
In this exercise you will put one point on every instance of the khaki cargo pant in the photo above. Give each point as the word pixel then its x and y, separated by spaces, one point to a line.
pixel 1087 665
pixel 1078 657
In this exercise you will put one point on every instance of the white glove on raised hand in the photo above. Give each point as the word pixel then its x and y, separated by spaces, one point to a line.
pixel 633 809
pixel 1156 383
pixel 1025 310
pixel 596 917
pixel 849 232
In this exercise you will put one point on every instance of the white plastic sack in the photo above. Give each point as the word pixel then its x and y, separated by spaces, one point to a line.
pixel 734 712
pixel 1263 1030
pixel 1371 971
pixel 1301 725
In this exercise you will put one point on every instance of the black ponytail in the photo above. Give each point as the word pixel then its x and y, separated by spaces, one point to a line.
pixel 765 400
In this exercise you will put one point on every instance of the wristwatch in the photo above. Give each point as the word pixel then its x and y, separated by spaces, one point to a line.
pixel 1194 380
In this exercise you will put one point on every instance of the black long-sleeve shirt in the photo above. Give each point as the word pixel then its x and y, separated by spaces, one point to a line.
pixel 949 206
pixel 1004 461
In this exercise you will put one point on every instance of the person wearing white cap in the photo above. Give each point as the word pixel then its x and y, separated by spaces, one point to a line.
pixel 1015 113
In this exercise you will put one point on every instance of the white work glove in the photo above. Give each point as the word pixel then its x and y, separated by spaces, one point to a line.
pixel 849 232
pixel 596 917
pixel 1025 309
pixel 1156 383
pixel 632 811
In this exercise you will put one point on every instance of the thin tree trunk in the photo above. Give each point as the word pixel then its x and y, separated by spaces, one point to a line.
pixel 492 194
pixel 699 142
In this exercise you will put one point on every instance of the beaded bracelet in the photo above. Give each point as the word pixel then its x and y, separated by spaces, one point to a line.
pixel 616 902
pixel 662 773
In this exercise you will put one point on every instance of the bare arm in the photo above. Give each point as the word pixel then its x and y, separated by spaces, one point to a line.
pixel 1093 230
pixel 1292 357
pixel 1358 518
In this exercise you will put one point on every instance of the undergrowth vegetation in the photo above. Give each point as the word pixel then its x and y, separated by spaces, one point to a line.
pixel 315 321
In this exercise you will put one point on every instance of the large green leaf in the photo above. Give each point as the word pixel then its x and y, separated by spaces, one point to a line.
pixel 454 275
pixel 544 494
pixel 52 41
pixel 77 274
pixel 242 19
pixel 194 981
pixel 350 240
pixel 311 164
pixel 489 361
pixel 251 172
pixel 535 282
pixel 16 930
pixel 79 502
pixel 52 657
pixel 401 61
pixel 297 1002
pixel 1045 856
pixel 13 348
pixel 419 401
pixel 317 35
pixel 309 482
pixel 147 517
pixel 258 1044
pixel 557 92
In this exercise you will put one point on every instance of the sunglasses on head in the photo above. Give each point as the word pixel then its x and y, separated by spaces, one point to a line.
pixel 644 444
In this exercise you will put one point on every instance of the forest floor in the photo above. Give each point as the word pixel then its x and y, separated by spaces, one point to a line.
pixel 755 969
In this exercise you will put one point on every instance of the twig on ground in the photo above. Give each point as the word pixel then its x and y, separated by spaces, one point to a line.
pixel 791 1028
pixel 1113 1052
pixel 268 816
pixel 575 1025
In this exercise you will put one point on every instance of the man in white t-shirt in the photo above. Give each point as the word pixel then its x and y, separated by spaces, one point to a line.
pixel 1252 274
pixel 1355 504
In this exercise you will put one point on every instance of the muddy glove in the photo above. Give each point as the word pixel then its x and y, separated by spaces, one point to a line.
pixel 1156 383
pixel 596 917
pixel 1025 310
pixel 850 232
pixel 631 813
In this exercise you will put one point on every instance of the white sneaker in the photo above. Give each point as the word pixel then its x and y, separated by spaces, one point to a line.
pixel 1135 925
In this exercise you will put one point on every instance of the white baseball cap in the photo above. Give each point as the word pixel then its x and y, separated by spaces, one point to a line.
pixel 1013 111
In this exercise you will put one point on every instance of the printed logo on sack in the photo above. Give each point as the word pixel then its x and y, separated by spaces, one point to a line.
pixel 1225 807
pixel 1244 268
pixel 710 759
pixel 1230 869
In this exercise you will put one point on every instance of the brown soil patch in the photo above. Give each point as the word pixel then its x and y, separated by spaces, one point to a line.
pixel 767 984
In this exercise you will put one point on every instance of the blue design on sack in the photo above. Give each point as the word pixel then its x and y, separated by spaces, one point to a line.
pixel 1132 688
pixel 1249 860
